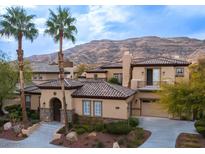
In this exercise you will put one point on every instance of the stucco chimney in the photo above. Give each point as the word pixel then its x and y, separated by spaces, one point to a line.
pixel 126 68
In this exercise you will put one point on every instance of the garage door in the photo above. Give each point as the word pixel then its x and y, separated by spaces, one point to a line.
pixel 153 109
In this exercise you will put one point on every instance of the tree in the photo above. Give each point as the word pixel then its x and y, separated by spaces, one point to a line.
pixel 61 26
pixel 186 98
pixel 81 68
pixel 18 24
pixel 9 77
pixel 114 80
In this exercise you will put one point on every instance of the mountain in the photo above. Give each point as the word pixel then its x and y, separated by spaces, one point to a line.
pixel 103 51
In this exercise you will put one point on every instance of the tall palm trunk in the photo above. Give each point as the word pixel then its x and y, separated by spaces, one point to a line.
pixel 21 77
pixel 61 70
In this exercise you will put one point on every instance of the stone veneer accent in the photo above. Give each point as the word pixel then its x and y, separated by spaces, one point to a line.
pixel 46 114
pixel 69 113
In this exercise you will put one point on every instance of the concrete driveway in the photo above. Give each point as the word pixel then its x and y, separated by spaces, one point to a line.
pixel 164 131
pixel 38 139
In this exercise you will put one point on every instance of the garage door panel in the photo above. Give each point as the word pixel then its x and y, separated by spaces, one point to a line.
pixel 153 109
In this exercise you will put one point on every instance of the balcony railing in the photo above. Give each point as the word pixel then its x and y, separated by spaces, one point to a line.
pixel 154 84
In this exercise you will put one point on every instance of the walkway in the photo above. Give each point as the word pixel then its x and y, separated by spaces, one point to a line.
pixel 38 139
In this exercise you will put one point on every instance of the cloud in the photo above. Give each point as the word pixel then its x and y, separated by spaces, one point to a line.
pixel 94 23
pixel 40 24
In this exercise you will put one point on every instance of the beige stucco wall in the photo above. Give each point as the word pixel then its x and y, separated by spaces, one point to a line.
pixel 108 107
pixel 47 95
pixel 167 73
pixel 112 71
pixel 99 75
pixel 35 102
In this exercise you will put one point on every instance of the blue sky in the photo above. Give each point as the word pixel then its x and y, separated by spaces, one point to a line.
pixel 114 22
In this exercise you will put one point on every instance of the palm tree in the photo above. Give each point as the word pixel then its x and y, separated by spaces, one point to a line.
pixel 61 26
pixel 15 22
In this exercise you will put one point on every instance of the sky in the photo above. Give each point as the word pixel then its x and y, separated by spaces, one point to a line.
pixel 113 22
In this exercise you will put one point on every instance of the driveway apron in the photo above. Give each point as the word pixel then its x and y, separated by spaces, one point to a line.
pixel 164 131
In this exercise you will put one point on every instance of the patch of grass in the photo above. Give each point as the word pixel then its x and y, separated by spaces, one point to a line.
pixel 190 145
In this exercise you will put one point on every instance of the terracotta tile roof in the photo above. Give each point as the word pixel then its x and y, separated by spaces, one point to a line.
pixel 160 61
pixel 32 89
pixel 112 65
pixel 56 84
pixel 96 70
pixel 102 89
pixel 45 67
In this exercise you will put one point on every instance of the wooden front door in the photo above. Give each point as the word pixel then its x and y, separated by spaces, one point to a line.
pixel 56 110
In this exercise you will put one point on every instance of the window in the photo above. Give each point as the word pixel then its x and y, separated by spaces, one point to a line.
pixel 95 76
pixel 179 71
pixel 28 101
pixel 97 108
pixel 86 107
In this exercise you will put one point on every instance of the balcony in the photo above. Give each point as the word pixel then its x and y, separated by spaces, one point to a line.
pixel 155 85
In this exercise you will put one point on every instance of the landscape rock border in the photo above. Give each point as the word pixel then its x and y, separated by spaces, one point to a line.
pixel 31 129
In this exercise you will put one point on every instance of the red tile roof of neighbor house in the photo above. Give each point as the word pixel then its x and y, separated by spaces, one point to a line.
pixel 102 89
pixel 160 61
pixel 96 70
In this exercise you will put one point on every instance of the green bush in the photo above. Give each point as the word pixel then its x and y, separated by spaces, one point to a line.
pixel 99 127
pixel 99 145
pixel 200 123
pixel 80 131
pixel 114 80
pixel 120 127
pixel 201 130
pixel 133 122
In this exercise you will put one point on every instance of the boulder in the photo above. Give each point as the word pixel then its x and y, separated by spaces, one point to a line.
pixel 72 136
pixel 7 126
pixel 17 128
pixel 116 145
pixel 56 136
pixel 92 134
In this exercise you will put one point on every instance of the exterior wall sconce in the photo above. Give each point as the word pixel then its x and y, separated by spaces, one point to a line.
pixel 54 93
pixel 44 104
pixel 163 73
pixel 142 73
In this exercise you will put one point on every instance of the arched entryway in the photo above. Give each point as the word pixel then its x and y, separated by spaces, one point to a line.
pixel 56 109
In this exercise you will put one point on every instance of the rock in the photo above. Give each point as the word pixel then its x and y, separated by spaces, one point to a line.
pixel 56 136
pixel 72 136
pixel 25 132
pixel 20 135
pixel 7 126
pixel 17 128
pixel 94 134
pixel 116 145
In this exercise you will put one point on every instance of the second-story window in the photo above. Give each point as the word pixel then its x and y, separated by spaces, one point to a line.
pixel 180 71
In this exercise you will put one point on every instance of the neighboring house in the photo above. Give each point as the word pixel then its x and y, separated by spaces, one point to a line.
pixel 45 71
pixel 106 72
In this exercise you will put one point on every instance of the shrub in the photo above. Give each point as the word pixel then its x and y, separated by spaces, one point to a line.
pixel 199 123
pixel 99 145
pixel 133 122
pixel 62 130
pixel 114 81
pixel 99 127
pixel 201 130
pixel 120 127
pixel 80 131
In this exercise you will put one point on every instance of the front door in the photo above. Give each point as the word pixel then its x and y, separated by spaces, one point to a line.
pixel 56 110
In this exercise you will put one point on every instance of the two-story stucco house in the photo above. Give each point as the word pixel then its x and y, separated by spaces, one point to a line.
pixel 94 97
